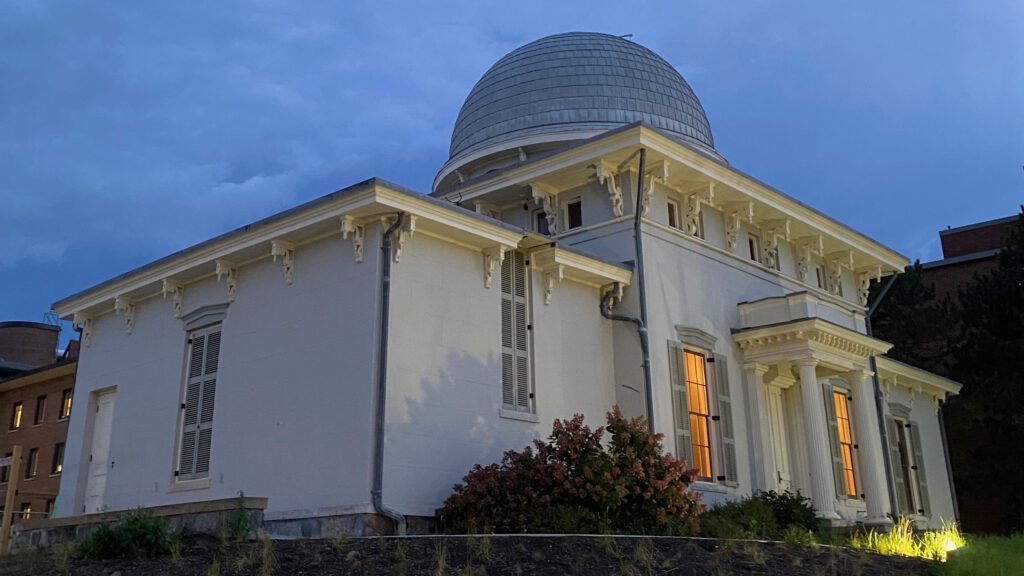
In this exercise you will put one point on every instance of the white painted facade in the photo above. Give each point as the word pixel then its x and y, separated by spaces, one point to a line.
pixel 768 294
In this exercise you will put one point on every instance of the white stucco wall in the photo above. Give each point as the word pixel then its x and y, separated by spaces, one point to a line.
pixel 444 383
pixel 293 404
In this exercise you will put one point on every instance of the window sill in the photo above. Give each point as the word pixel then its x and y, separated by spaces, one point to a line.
pixel 705 486
pixel 516 415
pixel 186 485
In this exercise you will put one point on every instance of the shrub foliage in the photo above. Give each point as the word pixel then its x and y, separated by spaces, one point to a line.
pixel 764 516
pixel 574 482
pixel 137 535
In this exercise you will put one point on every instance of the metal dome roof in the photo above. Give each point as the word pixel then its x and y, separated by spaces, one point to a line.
pixel 574 82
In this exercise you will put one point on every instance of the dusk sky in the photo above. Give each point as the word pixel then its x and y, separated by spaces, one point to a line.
pixel 129 130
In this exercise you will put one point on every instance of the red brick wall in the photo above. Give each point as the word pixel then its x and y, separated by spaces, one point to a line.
pixel 43 487
pixel 957 243
pixel 28 343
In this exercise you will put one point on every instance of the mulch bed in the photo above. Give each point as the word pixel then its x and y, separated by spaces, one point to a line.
pixel 479 556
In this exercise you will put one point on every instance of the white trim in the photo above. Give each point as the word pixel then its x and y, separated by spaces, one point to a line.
pixel 186 485
pixel 518 415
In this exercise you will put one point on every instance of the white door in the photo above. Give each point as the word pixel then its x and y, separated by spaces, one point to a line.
pixel 99 454
pixel 780 443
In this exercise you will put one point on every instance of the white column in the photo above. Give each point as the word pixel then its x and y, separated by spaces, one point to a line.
pixel 819 456
pixel 761 446
pixel 869 444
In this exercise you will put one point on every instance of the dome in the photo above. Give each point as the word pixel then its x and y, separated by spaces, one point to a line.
pixel 573 86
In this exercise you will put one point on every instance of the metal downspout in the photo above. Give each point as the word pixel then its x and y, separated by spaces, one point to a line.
pixel 641 322
pixel 377 493
pixel 880 400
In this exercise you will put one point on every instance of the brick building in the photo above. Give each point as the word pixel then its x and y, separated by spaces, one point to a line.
pixel 966 251
pixel 35 405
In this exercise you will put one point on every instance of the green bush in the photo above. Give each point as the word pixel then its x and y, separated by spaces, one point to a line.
pixel 763 516
pixel 574 483
pixel 137 535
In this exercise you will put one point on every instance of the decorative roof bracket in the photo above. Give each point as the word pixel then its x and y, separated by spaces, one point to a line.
pixel 550 278
pixel 735 214
pixel 125 305
pixel 228 270
pixel 404 234
pixel 354 227
pixel 83 322
pixel 774 230
pixel 657 172
pixel 545 195
pixel 807 247
pixel 286 250
pixel 836 262
pixel 605 174
pixel 864 277
pixel 493 258
pixel 177 292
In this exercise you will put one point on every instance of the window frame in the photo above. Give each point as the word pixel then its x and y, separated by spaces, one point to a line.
pixel 195 479
pixel 515 410
pixel 540 226
pixel 40 414
pixel 707 416
pixel 31 464
pixel 17 413
pixel 576 201
pixel 674 213
pixel 847 448
pixel 908 464
pixel 66 400
pixel 754 246
pixel 57 459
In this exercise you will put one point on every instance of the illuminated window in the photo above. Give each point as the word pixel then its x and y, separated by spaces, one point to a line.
pixel 65 404
pixel 57 466
pixel 16 416
pixel 697 394
pixel 845 442
pixel 26 510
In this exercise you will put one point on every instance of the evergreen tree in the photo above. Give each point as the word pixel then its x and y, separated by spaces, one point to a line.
pixel 913 320
pixel 986 422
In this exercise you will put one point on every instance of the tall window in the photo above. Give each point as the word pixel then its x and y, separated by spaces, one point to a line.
pixel 57 465
pixel 197 409
pixel 515 335
pixel 908 466
pixel 40 410
pixel 65 404
pixel 32 463
pixel 700 415
pixel 16 416
pixel 845 442
pixel 26 510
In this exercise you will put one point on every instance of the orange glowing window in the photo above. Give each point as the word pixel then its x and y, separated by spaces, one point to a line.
pixel 845 442
pixel 697 392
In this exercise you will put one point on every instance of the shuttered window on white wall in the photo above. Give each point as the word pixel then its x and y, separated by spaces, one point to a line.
pixel 197 409
pixel 516 393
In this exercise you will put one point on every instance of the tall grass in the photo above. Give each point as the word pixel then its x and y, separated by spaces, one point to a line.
pixel 986 556
pixel 900 540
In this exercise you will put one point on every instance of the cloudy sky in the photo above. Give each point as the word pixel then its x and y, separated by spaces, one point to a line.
pixel 129 130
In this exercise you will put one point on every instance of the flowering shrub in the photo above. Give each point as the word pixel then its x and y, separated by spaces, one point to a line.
pixel 574 483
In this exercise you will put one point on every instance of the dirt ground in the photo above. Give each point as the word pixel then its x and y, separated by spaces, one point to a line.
pixel 477 556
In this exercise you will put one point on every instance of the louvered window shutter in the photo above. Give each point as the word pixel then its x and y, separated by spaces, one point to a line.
pixel 200 392
pixel 896 459
pixel 680 403
pixel 725 424
pixel 838 475
pixel 515 337
pixel 924 506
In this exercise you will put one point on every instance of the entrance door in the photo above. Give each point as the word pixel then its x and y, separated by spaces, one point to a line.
pixel 780 441
pixel 99 453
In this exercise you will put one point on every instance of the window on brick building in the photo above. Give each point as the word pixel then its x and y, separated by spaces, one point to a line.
pixel 16 416
pixel 32 463
pixel 65 404
pixel 40 410
pixel 57 466
pixel 5 472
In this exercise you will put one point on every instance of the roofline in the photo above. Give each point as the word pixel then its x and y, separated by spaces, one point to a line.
pixel 984 224
pixel 38 374
pixel 972 257
pixel 925 377
pixel 28 324
pixel 325 200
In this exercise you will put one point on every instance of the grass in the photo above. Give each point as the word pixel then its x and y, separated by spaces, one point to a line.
pixel 985 556
pixel 901 540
